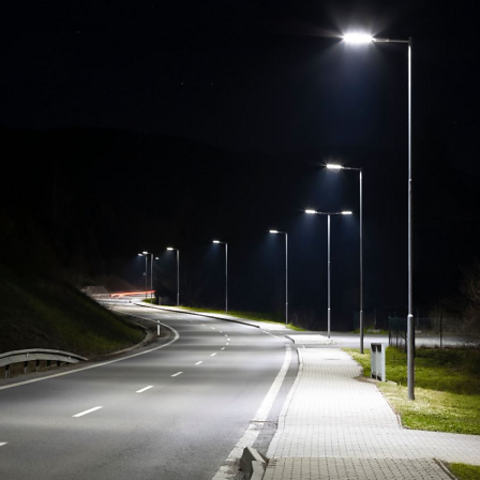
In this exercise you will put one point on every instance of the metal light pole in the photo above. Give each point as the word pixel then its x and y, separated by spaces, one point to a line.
pixel 178 273
pixel 328 214
pixel 286 272
pixel 359 38
pixel 144 254
pixel 226 272
pixel 336 167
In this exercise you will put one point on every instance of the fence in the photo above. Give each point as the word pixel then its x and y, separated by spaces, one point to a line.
pixel 432 331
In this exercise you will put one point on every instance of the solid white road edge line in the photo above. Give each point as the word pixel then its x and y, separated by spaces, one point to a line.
pixel 177 374
pixel 144 389
pixel 230 468
pixel 33 380
pixel 86 412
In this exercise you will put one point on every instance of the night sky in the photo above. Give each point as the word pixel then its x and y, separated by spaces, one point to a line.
pixel 182 122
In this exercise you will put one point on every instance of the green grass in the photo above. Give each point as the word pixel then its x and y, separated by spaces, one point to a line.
pixel 447 388
pixel 259 317
pixel 465 472
pixel 48 313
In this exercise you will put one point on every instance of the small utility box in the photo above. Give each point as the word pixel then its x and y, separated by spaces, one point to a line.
pixel 377 361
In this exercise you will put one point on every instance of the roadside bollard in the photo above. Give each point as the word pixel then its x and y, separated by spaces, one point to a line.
pixel 158 329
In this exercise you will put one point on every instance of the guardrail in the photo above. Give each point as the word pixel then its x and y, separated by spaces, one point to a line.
pixel 37 355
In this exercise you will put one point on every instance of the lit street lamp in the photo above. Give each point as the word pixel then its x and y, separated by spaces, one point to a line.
pixel 328 214
pixel 360 38
pixel 286 272
pixel 178 273
pixel 336 167
pixel 226 272
pixel 145 254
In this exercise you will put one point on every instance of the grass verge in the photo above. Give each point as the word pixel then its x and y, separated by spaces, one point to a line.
pixel 47 313
pixel 464 472
pixel 447 388
pixel 259 317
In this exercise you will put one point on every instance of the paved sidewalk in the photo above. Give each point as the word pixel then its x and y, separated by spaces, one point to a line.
pixel 334 426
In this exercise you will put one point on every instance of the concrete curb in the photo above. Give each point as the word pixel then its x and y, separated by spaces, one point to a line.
pixel 175 310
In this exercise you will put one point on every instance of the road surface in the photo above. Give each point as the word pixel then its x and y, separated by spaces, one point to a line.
pixel 172 413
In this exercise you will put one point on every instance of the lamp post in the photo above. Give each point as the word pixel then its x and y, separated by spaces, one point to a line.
pixel 226 272
pixel 178 273
pixel 328 214
pixel 360 38
pixel 336 167
pixel 286 271
pixel 144 254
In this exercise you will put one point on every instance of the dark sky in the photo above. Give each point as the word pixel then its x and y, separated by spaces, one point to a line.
pixel 271 89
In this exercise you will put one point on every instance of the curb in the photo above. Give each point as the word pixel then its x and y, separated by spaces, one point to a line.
pixel 157 307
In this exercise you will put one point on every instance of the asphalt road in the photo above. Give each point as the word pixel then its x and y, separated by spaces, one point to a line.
pixel 172 413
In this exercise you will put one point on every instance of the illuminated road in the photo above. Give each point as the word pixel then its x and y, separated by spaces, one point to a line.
pixel 172 413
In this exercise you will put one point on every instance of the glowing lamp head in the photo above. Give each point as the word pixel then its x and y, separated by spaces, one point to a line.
pixel 145 253
pixel 358 38
pixel 217 241
pixel 274 231
pixel 346 212
pixel 170 248
pixel 311 212
pixel 334 166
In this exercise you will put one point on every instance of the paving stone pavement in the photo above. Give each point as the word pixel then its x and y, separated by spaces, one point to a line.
pixel 335 426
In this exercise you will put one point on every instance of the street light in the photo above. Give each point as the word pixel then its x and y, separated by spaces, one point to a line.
pixel 226 272
pixel 361 38
pixel 336 167
pixel 178 273
pixel 328 214
pixel 145 254
pixel 286 271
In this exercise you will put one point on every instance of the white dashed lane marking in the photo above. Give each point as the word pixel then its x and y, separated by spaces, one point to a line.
pixel 86 412
pixel 198 363
pixel 177 374
pixel 144 389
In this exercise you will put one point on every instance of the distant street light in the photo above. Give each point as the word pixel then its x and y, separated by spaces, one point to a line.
pixel 328 214
pixel 145 254
pixel 226 272
pixel 178 273
pixel 286 271
pixel 362 38
pixel 336 167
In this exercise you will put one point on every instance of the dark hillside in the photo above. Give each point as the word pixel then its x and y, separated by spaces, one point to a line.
pixel 47 313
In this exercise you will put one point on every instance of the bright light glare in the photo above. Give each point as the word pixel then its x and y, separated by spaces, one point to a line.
pixel 170 248
pixel 217 241
pixel 358 38
pixel 145 253
pixel 333 166
pixel 310 212
pixel 346 212
pixel 274 231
